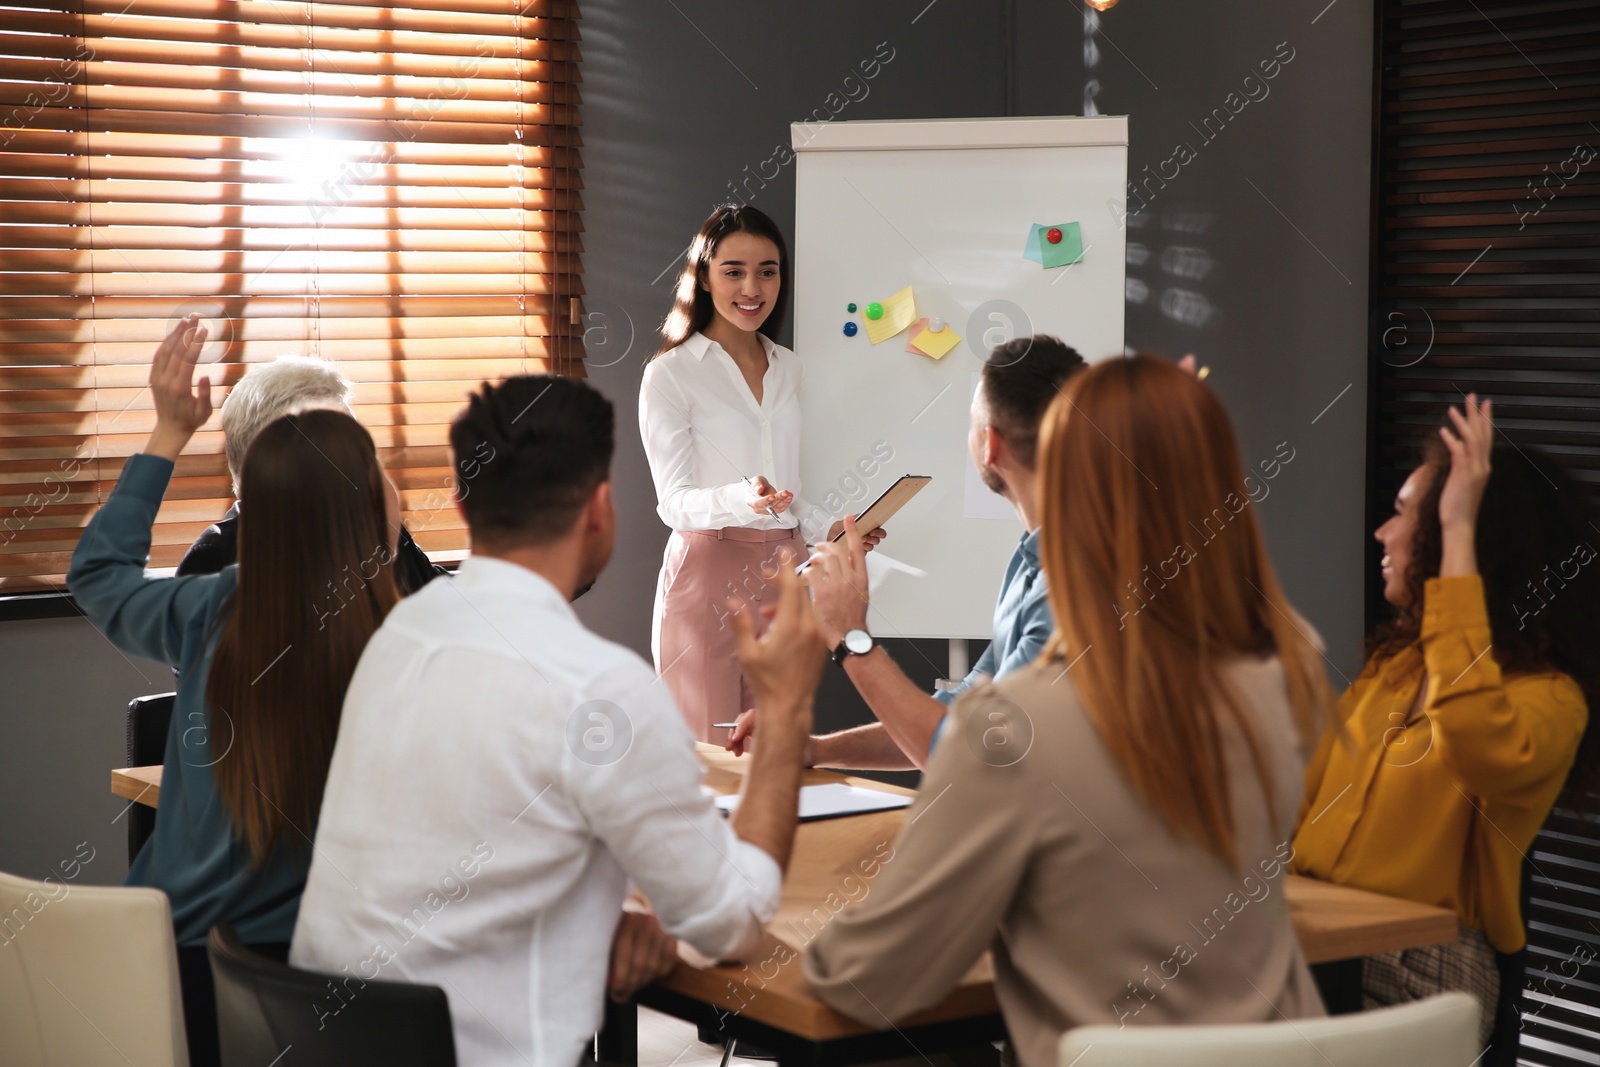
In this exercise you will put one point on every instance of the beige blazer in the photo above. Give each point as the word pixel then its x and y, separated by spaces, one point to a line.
pixel 1026 840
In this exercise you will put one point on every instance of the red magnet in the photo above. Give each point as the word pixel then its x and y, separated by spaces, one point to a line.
pixel 1053 235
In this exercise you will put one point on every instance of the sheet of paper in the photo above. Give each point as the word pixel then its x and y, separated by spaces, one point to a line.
pixel 899 312
pixel 937 345
pixel 977 501
pixel 880 566
pixel 832 800
pixel 1064 252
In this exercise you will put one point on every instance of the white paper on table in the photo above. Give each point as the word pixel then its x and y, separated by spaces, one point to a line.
pixel 832 800
pixel 978 501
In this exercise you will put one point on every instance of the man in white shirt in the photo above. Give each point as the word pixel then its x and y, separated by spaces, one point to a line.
pixel 502 775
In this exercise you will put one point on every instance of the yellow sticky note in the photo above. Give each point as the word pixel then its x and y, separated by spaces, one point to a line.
pixel 937 345
pixel 911 336
pixel 899 311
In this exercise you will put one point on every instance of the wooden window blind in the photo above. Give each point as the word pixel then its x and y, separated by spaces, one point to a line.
pixel 390 186
pixel 1485 277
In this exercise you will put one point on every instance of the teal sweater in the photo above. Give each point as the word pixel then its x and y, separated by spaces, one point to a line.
pixel 194 856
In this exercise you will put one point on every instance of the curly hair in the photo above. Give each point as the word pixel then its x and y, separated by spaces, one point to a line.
pixel 1534 518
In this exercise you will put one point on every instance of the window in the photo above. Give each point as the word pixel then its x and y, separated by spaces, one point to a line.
pixel 394 187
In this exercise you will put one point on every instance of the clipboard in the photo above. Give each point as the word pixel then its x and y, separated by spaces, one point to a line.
pixel 889 501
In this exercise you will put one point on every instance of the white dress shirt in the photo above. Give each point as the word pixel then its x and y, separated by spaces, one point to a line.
pixel 500 775
pixel 704 434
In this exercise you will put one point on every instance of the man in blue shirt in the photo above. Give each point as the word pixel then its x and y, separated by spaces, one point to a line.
pixel 1019 381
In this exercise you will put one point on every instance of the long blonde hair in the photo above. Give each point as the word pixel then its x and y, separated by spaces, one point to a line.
pixel 1157 574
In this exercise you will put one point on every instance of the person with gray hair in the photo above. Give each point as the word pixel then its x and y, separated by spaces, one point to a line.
pixel 288 385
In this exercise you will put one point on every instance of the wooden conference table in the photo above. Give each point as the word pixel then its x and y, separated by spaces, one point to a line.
pixel 767 1002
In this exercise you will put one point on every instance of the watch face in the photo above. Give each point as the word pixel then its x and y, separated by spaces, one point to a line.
pixel 858 641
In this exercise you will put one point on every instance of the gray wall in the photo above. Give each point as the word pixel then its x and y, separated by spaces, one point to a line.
pixel 64 690
pixel 680 100
pixel 1257 247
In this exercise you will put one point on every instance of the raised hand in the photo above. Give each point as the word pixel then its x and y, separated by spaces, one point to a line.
pixel 785 663
pixel 1470 446
pixel 182 406
pixel 838 580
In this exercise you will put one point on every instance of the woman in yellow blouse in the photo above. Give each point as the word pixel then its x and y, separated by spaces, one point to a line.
pixel 1449 750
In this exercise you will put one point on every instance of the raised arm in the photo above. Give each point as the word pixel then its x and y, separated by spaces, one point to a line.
pixel 1502 739
pixel 146 616
pixel 838 580
pixel 712 882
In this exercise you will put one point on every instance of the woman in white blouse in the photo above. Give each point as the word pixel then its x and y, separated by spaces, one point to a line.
pixel 719 410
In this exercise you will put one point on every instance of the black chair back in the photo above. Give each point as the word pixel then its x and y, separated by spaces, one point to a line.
pixel 148 720
pixel 267 1009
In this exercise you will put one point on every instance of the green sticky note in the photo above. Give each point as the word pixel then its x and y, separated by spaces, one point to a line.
pixel 1064 252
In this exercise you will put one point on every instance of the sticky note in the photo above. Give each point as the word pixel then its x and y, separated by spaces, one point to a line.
pixel 899 311
pixel 937 345
pixel 925 342
pixel 911 336
pixel 1030 248
pixel 1068 250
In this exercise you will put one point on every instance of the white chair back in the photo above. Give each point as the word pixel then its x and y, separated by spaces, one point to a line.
pixel 88 976
pixel 1441 1031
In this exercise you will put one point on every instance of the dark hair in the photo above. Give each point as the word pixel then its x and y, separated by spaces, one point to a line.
pixel 1020 379
pixel 691 303
pixel 314 533
pixel 528 453
pixel 1534 517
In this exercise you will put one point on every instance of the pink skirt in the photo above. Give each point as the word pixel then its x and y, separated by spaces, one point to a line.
pixel 692 639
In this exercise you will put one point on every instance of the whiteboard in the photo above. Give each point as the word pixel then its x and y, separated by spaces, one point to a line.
pixel 944 206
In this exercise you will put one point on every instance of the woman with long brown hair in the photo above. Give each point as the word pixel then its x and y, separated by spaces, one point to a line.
pixel 1118 814
pixel 1450 748
pixel 265 650
pixel 719 411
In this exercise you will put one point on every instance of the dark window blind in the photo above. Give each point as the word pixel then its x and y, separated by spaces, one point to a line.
pixel 1486 278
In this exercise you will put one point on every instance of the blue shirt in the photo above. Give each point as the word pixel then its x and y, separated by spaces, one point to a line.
pixel 1022 624
pixel 194 856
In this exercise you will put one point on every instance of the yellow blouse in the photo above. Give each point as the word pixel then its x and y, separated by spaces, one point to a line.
pixel 1441 810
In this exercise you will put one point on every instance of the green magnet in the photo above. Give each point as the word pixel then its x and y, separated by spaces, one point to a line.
pixel 874 310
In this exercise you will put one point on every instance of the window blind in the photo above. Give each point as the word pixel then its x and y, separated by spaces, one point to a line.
pixel 391 186
pixel 1485 277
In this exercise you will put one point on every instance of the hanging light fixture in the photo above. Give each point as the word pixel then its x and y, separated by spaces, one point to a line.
pixel 1102 5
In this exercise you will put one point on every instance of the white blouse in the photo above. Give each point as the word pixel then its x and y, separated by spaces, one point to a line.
pixel 704 434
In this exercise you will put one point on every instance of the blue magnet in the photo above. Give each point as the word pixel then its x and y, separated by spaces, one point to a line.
pixel 849 329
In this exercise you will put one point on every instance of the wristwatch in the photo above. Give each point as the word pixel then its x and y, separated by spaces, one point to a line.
pixel 855 643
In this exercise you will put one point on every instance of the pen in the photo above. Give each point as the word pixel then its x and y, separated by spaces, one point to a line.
pixel 723 725
pixel 751 482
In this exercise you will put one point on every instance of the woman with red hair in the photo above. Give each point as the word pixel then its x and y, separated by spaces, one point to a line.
pixel 1113 821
